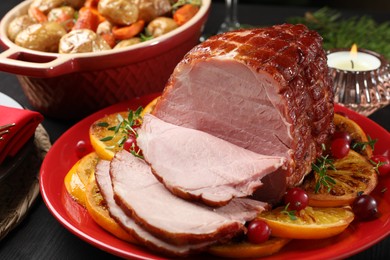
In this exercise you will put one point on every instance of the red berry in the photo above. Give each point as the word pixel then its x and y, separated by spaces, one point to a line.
pixel 365 207
pixel 384 162
pixel 82 148
pixel 342 135
pixel 131 144
pixel 258 231
pixel 339 148
pixel 296 198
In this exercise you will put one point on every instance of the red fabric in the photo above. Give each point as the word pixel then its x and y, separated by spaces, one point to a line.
pixel 26 121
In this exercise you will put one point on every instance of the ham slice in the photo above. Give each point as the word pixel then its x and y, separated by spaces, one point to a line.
pixel 196 165
pixel 169 217
pixel 103 180
pixel 266 89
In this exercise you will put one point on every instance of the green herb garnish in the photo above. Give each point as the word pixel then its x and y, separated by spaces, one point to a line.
pixel 146 36
pixel 361 146
pixel 321 167
pixel 377 165
pixel 126 128
pixel 290 213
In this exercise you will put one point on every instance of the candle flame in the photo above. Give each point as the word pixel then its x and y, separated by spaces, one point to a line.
pixel 354 50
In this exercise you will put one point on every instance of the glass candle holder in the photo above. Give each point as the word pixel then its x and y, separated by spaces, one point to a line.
pixel 361 82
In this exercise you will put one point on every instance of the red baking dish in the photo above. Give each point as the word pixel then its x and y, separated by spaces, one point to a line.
pixel 75 85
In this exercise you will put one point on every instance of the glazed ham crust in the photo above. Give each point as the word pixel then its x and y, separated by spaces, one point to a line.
pixel 267 90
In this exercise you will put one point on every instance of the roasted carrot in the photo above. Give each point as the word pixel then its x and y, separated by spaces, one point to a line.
pixel 185 13
pixel 65 19
pixel 96 12
pixel 127 32
pixel 109 38
pixel 91 3
pixel 87 19
pixel 38 15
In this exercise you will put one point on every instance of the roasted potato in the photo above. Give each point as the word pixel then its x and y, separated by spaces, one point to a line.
pixel 161 25
pixel 122 12
pixel 41 37
pixel 82 40
pixel 18 24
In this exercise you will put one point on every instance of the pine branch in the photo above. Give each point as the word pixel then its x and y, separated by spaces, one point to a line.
pixel 342 33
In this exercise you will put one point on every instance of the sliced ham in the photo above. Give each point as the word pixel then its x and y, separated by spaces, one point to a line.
pixel 169 217
pixel 267 90
pixel 196 165
pixel 103 180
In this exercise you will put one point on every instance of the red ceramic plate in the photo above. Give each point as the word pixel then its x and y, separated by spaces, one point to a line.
pixel 61 157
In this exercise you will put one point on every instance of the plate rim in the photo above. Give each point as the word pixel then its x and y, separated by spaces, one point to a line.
pixel 6 100
pixel 145 254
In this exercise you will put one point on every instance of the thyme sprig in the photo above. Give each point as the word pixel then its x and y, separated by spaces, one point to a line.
pixel 135 152
pixel 125 126
pixel 321 167
pixel 377 165
pixel 290 213
pixel 360 146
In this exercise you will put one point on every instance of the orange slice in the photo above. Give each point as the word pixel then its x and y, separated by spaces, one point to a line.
pixel 248 250
pixel 354 173
pixel 357 134
pixel 100 130
pixel 78 177
pixel 86 166
pixel 310 223
pixel 74 186
pixel 98 211
pixel 149 107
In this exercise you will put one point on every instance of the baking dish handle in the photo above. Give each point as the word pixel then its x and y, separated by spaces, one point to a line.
pixel 14 60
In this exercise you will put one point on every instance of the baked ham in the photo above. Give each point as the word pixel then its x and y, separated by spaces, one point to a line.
pixel 170 218
pixel 267 90
pixel 198 166
pixel 103 180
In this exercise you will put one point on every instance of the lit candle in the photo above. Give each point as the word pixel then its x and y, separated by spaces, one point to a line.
pixel 353 60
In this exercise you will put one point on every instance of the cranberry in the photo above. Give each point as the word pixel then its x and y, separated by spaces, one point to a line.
pixel 339 148
pixel 384 168
pixel 131 144
pixel 82 148
pixel 342 135
pixel 296 198
pixel 258 231
pixel 365 207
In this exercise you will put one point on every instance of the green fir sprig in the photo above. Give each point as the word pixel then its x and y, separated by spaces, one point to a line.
pixel 338 32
